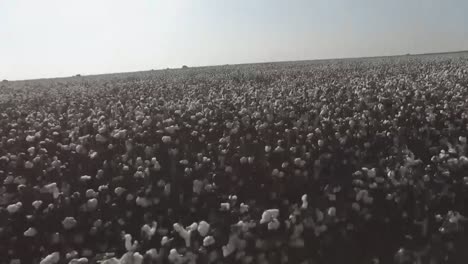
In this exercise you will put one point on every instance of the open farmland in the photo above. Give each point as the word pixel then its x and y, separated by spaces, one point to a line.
pixel 333 161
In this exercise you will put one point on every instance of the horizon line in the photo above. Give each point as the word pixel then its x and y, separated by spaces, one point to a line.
pixel 239 64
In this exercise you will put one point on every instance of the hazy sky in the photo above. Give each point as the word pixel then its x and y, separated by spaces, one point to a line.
pixel 51 38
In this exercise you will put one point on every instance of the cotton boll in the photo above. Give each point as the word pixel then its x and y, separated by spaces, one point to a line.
pixel 174 256
pixel 267 149
pixel 90 193
pixel 203 228
pixel 51 259
pixel 129 197
pixel 71 254
pixel 192 227
pixel 13 208
pixel 368 200
pixel 153 253
pixel 166 139
pixel 228 249
pixel 119 191
pixel 92 204
pixel 137 258
pixel 69 222
pixel 356 206
pixel 319 215
pixel 274 224
pixel 36 204
pixel 331 211
pixel 275 172
pixel 183 233
pixel 164 240
pixel 269 215
pixel 243 160
pixel 28 165
pixel 243 208
pixel 225 206
pixel 208 241
pixel 30 232
pixel 85 178
pixel 305 204
pixel 111 261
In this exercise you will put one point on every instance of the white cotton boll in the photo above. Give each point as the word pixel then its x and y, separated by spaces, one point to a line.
pixel 243 160
pixel 371 173
pixel 30 138
pixel 138 175
pixel 51 258
pixel 331 211
pixel 243 208
pixel 250 160
pixel 100 138
pixel 128 242
pixel 356 206
pixel 183 233
pixel 368 200
pixel 111 261
pixel 172 129
pixel 274 224
pixel 137 258
pixel 13 208
pixel 319 215
pixel 281 174
pixel 192 227
pixel 197 186
pixel 305 204
pixel 36 204
pixel 225 206
pixel 31 150
pixel 203 228
pixel 72 254
pixel 69 222
pixel 92 204
pixel 269 215
pixel 28 165
pixel 143 202
pixel 278 149
pixel 90 193
pixel 129 197
pixel 267 149
pixel 360 195
pixel 164 240
pixel 102 188
pixel 208 241
pixel 166 139
pixel 83 260
pixel 153 253
pixel 228 249
pixel 85 178
pixel 174 256
pixel 275 172
pixel 119 191
pixel 30 232
pixel 284 165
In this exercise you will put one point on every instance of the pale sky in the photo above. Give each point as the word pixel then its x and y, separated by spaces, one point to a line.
pixel 55 38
